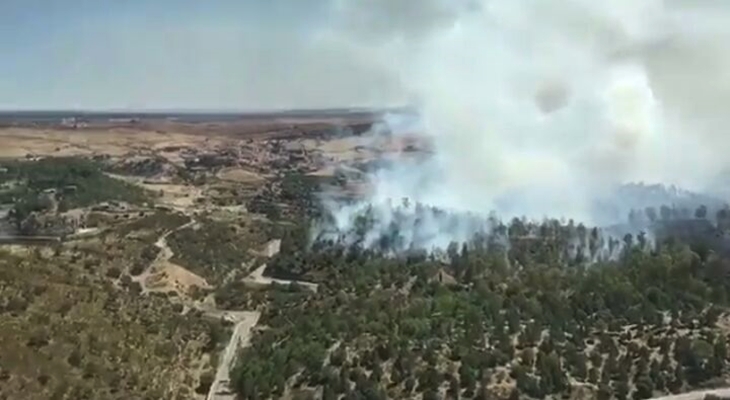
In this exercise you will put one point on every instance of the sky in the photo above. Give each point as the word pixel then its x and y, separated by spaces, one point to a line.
pixel 535 104
pixel 181 54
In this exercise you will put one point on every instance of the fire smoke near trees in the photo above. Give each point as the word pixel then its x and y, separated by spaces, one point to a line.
pixel 541 109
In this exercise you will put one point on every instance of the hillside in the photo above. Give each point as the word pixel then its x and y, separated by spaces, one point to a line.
pixel 67 331
pixel 505 323
pixel 160 256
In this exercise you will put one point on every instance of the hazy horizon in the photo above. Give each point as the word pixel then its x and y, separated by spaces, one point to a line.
pixel 183 54
pixel 196 111
pixel 534 107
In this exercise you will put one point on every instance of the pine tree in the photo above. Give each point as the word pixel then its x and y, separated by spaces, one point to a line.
pixel 483 393
pixel 644 387
pixel 454 389
pixel 604 392
pixel 621 389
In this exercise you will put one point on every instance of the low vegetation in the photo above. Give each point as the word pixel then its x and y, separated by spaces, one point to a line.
pixel 67 332
pixel 495 326
pixel 219 250
pixel 535 319
pixel 542 317
pixel 61 183
pixel 150 227
pixel 290 197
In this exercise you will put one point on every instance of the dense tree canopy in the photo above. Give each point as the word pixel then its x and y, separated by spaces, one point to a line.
pixel 550 304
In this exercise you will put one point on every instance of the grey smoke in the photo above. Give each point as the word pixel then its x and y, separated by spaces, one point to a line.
pixel 543 109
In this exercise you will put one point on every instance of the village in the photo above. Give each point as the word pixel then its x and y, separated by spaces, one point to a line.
pixel 189 171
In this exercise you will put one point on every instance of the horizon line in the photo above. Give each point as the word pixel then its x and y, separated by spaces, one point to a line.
pixel 200 110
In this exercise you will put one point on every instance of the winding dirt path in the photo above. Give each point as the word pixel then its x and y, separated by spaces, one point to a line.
pixel 245 322
pixel 241 338
pixel 163 256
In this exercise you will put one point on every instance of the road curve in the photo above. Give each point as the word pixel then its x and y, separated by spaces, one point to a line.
pixel 257 278
pixel 245 321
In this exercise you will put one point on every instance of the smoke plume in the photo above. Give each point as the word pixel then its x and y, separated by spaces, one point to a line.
pixel 539 108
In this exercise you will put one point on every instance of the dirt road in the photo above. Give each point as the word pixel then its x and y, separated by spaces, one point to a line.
pixel 696 395
pixel 272 248
pixel 245 321
pixel 163 256
pixel 257 276
pixel 241 338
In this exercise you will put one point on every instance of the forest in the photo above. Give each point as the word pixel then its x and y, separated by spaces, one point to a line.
pixel 69 329
pixel 71 182
pixel 523 310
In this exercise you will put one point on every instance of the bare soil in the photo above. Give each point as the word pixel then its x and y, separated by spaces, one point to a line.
pixel 19 142
pixel 165 276
pixel 169 276
pixel 240 175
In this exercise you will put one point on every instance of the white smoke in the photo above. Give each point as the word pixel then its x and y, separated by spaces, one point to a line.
pixel 541 108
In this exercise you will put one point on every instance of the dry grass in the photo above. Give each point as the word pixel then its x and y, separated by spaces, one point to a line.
pixel 346 149
pixel 162 136
pixel 169 276
pixel 172 195
pixel 240 175
pixel 175 196
pixel 18 142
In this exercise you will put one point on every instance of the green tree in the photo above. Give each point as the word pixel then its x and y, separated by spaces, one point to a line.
pixel 621 389
pixel 604 392
pixel 552 377
pixel 644 387
pixel 454 389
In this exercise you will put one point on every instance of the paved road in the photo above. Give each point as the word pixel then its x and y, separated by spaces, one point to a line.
pixel 240 338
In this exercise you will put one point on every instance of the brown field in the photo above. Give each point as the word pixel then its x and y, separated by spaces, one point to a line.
pixel 171 276
pixel 20 142
pixel 119 138
pixel 240 175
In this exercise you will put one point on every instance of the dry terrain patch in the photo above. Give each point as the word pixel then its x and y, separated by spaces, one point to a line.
pixel 172 195
pixel 240 175
pixel 175 196
pixel 346 149
pixel 164 276
pixel 21 141
pixel 168 276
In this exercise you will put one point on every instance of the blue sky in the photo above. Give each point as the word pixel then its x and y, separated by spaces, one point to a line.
pixel 102 54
